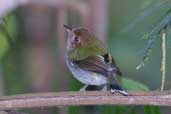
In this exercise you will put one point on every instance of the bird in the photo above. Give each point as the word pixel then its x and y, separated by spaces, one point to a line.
pixel 90 62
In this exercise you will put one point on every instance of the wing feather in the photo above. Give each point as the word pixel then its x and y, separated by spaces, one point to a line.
pixel 98 64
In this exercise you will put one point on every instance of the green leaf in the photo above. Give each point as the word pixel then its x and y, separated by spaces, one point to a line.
pixel 74 110
pixel 130 84
pixel 152 110
pixel 155 7
pixel 108 109
pixel 11 26
pixel 75 84
pixel 156 110
pixel 4 46
pixel 8 27
pixel 153 35
pixel 147 110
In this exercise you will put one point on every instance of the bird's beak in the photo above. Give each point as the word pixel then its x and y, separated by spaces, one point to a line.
pixel 69 29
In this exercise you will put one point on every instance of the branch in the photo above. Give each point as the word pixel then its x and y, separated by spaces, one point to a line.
pixel 83 98
pixel 163 67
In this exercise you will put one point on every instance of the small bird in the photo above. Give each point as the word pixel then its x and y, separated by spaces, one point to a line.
pixel 90 62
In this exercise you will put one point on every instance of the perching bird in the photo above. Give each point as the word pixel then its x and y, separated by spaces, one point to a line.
pixel 90 62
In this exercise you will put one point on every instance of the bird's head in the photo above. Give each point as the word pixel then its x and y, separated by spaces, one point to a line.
pixel 81 43
pixel 79 38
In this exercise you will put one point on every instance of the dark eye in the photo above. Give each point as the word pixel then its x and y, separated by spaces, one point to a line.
pixel 77 39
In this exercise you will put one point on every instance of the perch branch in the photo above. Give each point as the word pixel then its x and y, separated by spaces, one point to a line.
pixel 83 98
pixel 163 67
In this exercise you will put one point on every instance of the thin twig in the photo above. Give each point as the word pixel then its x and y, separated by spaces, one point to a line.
pixel 83 98
pixel 163 67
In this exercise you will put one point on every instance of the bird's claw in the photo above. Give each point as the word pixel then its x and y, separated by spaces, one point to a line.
pixel 83 89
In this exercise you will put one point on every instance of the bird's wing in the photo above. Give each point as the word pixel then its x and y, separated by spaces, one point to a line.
pixel 103 64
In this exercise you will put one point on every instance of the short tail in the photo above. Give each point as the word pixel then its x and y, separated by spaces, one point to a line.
pixel 117 88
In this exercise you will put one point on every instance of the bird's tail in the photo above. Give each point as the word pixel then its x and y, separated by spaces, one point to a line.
pixel 115 87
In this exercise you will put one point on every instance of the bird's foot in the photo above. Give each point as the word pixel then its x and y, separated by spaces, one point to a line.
pixel 83 89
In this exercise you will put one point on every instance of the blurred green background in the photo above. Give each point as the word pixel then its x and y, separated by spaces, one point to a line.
pixel 32 48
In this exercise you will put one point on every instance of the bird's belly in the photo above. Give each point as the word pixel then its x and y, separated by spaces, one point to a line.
pixel 86 77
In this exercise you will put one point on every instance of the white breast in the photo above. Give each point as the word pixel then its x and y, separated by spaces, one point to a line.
pixel 86 77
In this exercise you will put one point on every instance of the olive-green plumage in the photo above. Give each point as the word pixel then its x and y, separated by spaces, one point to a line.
pixel 88 45
pixel 89 60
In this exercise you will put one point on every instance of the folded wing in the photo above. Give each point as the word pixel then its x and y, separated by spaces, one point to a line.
pixel 103 64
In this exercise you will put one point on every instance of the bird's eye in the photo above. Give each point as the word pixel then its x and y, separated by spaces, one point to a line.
pixel 77 39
